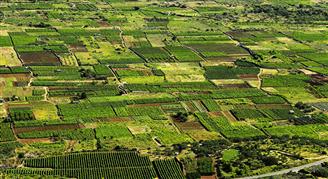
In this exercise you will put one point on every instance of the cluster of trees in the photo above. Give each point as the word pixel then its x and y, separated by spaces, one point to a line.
pixel 304 107
pixel 1 15
pixel 209 156
pixel 181 116
pixel 314 172
pixel 87 73
pixel 299 13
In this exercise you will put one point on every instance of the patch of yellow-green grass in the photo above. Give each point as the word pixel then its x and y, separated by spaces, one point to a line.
pixel 105 48
pixel 228 81
pixel 143 79
pixel 86 58
pixel 140 66
pixel 292 44
pixel 182 24
pixel 200 135
pixel 3 112
pixel 140 141
pixel 268 45
pixel 270 89
pixel 217 63
pixel 181 72
pixel 230 154
pixel 68 60
pixel 323 135
pixel 135 20
pixel 60 6
pixel 130 96
pixel 280 43
pixel 254 83
pixel 266 71
pixel 138 129
pixel 44 147
pixel 262 170
pixel 60 100
pixel 296 94
pixel 3 32
pixel 233 101
pixel 8 89
pixel 180 68
pixel 156 40
pixel 107 51
pixel 84 145
pixel 130 41
pixel 310 155
pixel 44 110
pixel 185 78
pixel 8 57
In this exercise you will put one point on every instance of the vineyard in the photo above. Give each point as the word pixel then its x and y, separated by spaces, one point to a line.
pixel 125 165
pixel 145 89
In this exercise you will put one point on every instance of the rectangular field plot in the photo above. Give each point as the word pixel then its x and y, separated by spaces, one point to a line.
pixel 116 165
pixel 213 51
pixel 86 111
pixel 234 131
pixel 5 41
pixel 153 54
pixel 183 54
pixel 317 57
pixel 168 169
pixel 223 72
pixel 6 134
pixel 188 72
pixel 306 131
pixel 39 58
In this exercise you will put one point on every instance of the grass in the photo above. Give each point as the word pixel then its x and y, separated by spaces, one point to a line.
pixel 229 155
pixel 295 94
pixel 5 41
pixel 8 57
pixel 112 130
pixel 43 110
pixel 85 58
pixel 143 79
pixel 188 72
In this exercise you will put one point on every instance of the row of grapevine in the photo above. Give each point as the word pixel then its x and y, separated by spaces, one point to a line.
pixel 92 173
pixel 168 169
pixel 90 160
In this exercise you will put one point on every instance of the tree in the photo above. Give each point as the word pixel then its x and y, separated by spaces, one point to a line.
pixel 87 73
pixel 205 166
pixel 181 116
pixel 226 167
pixel 269 160
pixel 321 172
pixel 83 95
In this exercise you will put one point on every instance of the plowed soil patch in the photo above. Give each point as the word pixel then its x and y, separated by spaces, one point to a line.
pixel 28 141
pixel 192 125
pixel 49 127
pixel 39 58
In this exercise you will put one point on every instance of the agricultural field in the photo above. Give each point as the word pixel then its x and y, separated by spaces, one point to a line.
pixel 152 89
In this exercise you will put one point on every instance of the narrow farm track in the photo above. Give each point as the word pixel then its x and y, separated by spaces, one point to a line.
pixel 121 36
pixel 229 116
pixel 285 171
pixel 46 93
pixel 259 79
